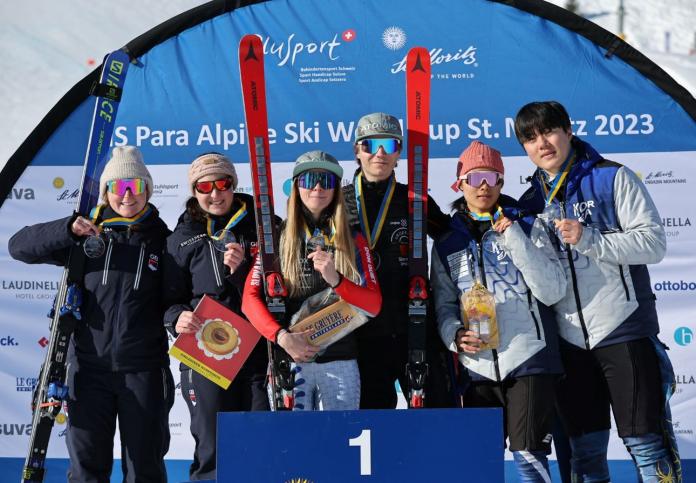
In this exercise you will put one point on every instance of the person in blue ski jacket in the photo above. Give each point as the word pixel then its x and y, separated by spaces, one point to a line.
pixel 195 265
pixel 118 368
pixel 606 230
pixel 491 241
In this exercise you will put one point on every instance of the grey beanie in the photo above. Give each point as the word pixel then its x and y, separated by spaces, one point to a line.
pixel 126 162
pixel 378 124
pixel 317 160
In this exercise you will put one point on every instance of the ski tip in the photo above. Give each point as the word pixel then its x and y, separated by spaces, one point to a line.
pixel 418 59
pixel 418 52
pixel 250 44
pixel 250 49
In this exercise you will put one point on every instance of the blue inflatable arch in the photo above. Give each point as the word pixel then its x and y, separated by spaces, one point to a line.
pixel 510 52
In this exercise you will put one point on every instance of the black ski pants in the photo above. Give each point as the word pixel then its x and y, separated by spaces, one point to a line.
pixel 624 377
pixel 205 399
pixel 140 402
pixel 528 409
pixel 382 361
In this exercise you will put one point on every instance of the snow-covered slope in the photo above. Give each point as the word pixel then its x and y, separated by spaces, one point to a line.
pixel 48 46
pixel 663 30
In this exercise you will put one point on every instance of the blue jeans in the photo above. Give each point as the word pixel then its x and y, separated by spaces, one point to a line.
pixel 328 386
pixel 648 451
pixel 589 457
pixel 532 466
pixel 651 457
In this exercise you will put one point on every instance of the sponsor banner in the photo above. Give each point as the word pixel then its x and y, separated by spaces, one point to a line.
pixel 328 64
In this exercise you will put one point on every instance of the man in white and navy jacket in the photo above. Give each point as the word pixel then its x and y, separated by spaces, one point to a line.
pixel 606 229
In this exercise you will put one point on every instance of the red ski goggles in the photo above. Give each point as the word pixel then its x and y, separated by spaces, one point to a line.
pixel 476 178
pixel 120 186
pixel 309 179
pixel 372 145
pixel 206 187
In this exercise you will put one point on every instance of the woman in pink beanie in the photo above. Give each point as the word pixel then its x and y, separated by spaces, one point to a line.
pixel 493 251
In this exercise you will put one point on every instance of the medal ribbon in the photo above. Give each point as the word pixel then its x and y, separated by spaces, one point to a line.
pixel 329 240
pixel 373 235
pixel 96 213
pixel 486 216
pixel 236 218
pixel 120 220
pixel 558 182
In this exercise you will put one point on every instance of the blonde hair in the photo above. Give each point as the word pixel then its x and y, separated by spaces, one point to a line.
pixel 293 235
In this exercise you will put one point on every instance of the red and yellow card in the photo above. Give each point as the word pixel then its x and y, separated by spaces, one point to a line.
pixel 220 347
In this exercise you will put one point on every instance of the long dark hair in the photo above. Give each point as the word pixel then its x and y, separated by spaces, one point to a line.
pixel 194 210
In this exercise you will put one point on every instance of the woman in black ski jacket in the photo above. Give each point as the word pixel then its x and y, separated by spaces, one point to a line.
pixel 200 263
pixel 117 362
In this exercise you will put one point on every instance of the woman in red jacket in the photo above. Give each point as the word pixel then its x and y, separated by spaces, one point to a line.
pixel 319 252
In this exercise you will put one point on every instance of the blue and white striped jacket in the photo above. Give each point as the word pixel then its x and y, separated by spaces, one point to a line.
pixel 523 274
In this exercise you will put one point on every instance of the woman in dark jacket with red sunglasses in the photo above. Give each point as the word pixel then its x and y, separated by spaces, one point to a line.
pixel 203 259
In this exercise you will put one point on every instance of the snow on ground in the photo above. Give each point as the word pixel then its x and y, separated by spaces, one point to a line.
pixel 47 45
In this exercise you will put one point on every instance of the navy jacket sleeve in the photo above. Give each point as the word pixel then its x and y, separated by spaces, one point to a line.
pixel 438 222
pixel 176 287
pixel 48 242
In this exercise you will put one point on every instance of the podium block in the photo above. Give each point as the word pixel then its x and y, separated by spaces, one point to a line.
pixel 425 445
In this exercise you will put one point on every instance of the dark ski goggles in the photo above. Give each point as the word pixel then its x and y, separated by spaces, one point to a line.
pixel 309 179
pixel 476 178
pixel 372 145
pixel 206 187
pixel 120 186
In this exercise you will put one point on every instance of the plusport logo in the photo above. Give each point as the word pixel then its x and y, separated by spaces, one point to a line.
pixel 293 49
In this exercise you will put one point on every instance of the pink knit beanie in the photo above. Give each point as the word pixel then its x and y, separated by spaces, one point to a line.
pixel 481 156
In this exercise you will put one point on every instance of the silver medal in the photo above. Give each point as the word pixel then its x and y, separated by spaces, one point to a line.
pixel 222 238
pixel 94 246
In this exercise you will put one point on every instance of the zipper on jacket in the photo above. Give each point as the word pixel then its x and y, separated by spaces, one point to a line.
pixel 531 311
pixel 214 261
pixel 479 249
pixel 574 277
pixel 107 260
pixel 164 382
pixel 623 281
pixel 495 364
pixel 141 262
pixel 115 335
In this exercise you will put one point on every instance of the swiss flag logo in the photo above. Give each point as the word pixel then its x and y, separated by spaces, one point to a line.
pixel 348 35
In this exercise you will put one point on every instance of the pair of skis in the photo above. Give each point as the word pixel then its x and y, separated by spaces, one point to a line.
pixel 51 390
pixel 418 105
